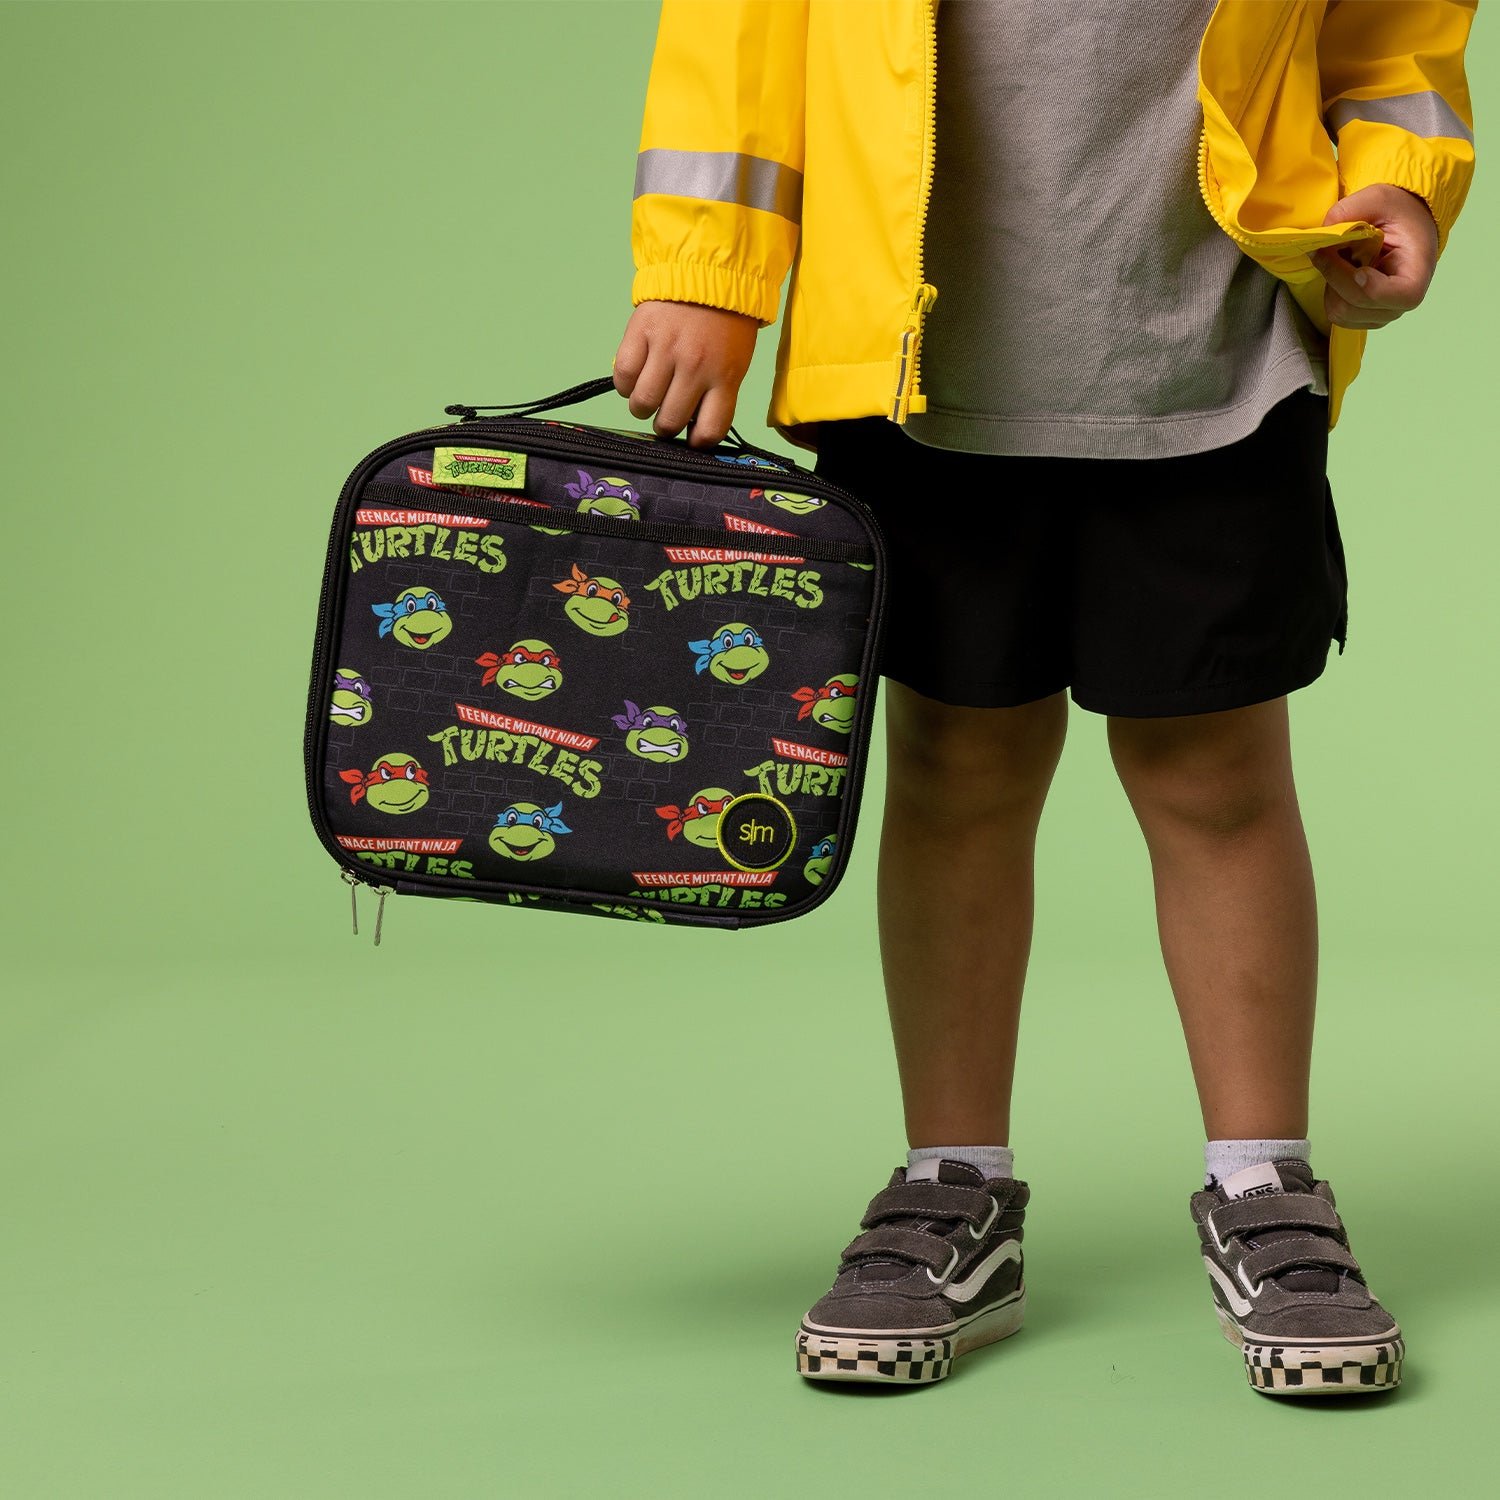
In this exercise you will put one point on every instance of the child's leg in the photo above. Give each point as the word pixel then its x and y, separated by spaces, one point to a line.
pixel 964 793
pixel 1235 904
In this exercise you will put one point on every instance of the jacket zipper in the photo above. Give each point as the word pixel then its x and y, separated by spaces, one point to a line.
pixel 688 461
pixel 909 396
pixel 1208 200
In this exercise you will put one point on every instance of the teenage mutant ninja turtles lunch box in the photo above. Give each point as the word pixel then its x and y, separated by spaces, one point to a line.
pixel 593 670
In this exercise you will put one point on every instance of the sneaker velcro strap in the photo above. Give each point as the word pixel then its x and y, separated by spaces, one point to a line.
pixel 1277 1211
pixel 929 1200
pixel 1295 1251
pixel 891 1242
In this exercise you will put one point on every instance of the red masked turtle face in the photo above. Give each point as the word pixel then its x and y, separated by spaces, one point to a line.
pixel 394 784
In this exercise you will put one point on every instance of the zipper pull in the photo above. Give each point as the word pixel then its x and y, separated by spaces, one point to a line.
pixel 353 882
pixel 911 338
pixel 379 914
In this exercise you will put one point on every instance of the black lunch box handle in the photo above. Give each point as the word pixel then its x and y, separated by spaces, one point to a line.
pixel 585 391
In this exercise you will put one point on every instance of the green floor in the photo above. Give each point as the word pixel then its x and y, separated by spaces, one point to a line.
pixel 327 1229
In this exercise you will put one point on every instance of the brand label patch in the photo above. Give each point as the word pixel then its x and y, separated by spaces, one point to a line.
pixel 496 468
pixel 1252 1182
pixel 756 831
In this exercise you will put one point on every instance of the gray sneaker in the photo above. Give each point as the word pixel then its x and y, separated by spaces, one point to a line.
pixel 1288 1292
pixel 936 1272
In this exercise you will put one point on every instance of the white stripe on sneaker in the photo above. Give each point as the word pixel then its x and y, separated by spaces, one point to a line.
pixel 1238 1305
pixel 972 1284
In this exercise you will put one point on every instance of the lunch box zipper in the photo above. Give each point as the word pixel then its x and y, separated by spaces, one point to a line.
pixel 684 533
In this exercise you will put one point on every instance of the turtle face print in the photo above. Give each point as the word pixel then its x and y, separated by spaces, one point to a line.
pixel 418 618
pixel 698 822
pixel 831 705
pixel 528 669
pixel 394 784
pixel 605 497
pixel 350 703
pixel 789 500
pixel 527 831
pixel 658 733
pixel 820 860
pixel 597 605
pixel 734 653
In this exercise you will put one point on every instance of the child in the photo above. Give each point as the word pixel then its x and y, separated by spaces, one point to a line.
pixel 1091 281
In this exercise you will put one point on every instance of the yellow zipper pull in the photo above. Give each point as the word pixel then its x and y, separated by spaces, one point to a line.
pixel 908 398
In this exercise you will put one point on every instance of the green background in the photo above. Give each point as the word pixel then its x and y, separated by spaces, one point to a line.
pixel 520 1204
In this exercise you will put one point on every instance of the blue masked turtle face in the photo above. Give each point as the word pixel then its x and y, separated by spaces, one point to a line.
pixel 527 831
pixel 820 860
pixel 418 618
pixel 734 653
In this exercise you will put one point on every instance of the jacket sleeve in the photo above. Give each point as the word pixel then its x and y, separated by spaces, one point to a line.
pixel 1396 99
pixel 718 182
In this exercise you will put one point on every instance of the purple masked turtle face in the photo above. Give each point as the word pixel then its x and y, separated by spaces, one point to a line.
pixel 351 700
pixel 605 497
pixel 658 733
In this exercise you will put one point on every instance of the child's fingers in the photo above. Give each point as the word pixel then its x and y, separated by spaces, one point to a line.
pixel 630 359
pixel 649 388
pixel 1347 280
pixel 715 413
pixel 680 401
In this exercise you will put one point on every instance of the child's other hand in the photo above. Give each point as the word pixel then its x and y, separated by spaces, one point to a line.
pixel 678 358
pixel 1369 290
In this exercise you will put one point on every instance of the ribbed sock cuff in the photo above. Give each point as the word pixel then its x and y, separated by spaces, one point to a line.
pixel 1223 1159
pixel 993 1161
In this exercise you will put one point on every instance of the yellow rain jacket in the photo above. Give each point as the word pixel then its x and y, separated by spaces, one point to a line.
pixel 750 100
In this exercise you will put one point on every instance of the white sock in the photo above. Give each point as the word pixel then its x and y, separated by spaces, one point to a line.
pixel 1223 1159
pixel 993 1161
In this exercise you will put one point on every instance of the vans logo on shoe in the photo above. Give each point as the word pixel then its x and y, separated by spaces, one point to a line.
pixel 1252 1182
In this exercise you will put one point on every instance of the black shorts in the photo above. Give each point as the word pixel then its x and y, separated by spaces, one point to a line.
pixel 1147 587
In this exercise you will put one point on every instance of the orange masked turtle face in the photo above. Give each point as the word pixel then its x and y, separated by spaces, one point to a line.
pixel 595 604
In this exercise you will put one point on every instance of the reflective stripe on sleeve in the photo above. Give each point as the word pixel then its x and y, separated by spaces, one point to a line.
pixel 723 177
pixel 1425 114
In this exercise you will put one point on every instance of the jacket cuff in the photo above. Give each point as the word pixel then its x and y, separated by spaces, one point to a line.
pixel 1406 162
pixel 710 285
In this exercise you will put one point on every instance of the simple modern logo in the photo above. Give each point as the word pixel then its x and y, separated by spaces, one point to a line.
pixel 756 831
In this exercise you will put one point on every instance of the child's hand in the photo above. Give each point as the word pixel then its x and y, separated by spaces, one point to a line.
pixel 678 358
pixel 1370 291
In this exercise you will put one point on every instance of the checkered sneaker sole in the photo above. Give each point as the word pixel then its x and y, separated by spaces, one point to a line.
pixel 902 1361
pixel 1316 1369
pixel 845 1354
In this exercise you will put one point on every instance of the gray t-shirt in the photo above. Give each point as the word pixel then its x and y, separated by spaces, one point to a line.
pixel 1088 304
